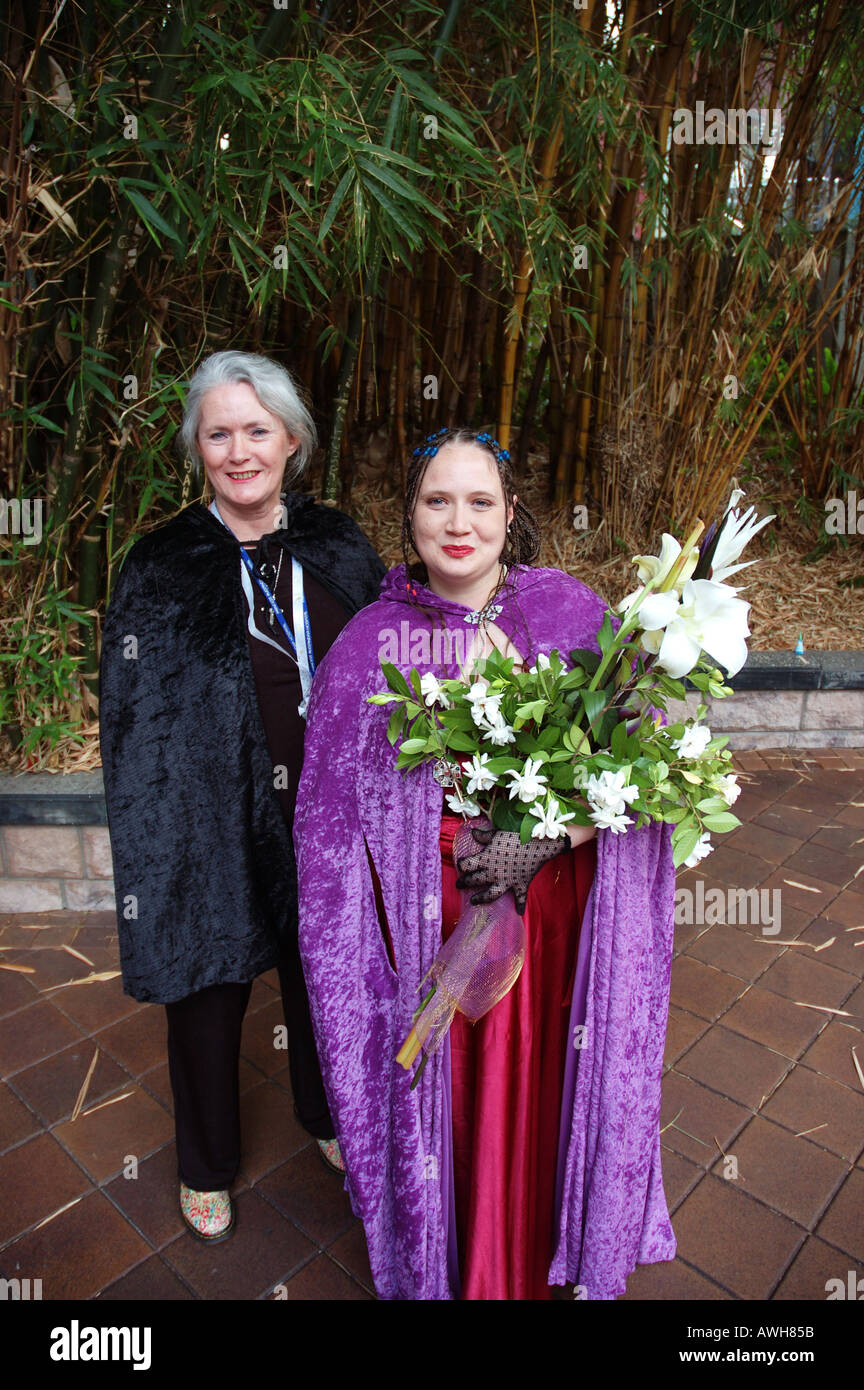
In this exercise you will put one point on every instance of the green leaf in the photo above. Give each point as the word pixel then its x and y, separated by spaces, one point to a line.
pixel 593 700
pixel 721 821
pixel 605 636
pixel 34 416
pixel 396 680
pixel 462 742
pixel 711 803
pixel 504 765
pixel 684 841
pixel 336 202
pixel 395 724
pixel 582 656
pixel 398 185
pixel 153 220
pixel 411 234
pixel 413 745
pixel 619 740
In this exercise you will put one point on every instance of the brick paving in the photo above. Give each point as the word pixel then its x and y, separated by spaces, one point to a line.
pixel 763 1106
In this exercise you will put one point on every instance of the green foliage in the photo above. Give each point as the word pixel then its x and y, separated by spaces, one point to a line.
pixel 244 176
pixel 554 755
pixel 39 669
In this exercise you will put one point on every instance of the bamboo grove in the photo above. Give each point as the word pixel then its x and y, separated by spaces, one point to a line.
pixel 434 213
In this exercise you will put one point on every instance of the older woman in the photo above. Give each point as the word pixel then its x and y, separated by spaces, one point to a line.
pixel 529 1153
pixel 216 624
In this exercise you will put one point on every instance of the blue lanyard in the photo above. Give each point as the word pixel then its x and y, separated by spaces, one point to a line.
pixel 304 657
pixel 280 616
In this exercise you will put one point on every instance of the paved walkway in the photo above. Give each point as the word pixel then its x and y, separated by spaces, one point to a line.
pixel 763 1116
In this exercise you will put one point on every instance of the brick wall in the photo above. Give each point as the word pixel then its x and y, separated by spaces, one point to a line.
pixel 782 718
pixel 43 867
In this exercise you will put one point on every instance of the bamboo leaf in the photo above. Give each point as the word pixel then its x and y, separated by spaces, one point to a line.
pixel 153 220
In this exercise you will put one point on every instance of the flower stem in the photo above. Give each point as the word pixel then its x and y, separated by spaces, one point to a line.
pixel 422 1005
pixel 419 1071
pixel 408 1051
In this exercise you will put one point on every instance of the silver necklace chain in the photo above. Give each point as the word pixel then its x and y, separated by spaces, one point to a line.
pixel 275 583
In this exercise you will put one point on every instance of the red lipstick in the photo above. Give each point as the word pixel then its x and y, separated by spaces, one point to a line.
pixel 458 551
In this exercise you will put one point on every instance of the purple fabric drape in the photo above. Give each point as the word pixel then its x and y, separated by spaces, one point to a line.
pixel 354 809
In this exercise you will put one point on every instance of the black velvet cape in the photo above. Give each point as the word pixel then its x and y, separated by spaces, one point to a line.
pixel 204 869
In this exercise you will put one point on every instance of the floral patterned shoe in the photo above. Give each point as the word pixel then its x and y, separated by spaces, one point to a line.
pixel 208 1215
pixel 329 1149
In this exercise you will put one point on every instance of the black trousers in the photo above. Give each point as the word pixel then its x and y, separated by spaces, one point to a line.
pixel 203 1055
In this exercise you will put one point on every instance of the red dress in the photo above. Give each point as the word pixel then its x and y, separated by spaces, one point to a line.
pixel 507 1076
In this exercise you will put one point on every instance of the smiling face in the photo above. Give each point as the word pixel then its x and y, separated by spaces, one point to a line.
pixel 244 450
pixel 460 523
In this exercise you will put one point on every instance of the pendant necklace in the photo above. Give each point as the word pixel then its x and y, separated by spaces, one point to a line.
pixel 276 582
pixel 271 577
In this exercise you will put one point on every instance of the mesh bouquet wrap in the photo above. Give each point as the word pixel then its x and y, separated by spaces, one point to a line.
pixel 476 966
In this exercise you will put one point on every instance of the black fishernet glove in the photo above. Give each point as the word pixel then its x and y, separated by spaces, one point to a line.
pixel 504 863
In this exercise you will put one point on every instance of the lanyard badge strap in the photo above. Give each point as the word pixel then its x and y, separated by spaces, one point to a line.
pixel 300 640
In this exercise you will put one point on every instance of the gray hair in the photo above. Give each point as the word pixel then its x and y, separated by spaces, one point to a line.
pixel 273 385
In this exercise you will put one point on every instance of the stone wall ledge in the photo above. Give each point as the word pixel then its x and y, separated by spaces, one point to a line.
pixel 52 798
pixel 814 670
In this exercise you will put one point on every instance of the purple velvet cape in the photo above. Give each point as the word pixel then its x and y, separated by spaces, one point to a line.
pixel 353 807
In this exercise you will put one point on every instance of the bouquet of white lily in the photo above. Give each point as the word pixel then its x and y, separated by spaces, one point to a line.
pixel 582 740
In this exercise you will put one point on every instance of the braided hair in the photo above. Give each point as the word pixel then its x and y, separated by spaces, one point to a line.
pixel 522 545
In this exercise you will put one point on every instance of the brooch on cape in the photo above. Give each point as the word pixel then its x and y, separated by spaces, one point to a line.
pixel 483 615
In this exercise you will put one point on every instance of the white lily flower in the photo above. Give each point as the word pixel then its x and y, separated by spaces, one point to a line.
pixel 735 533
pixel 480 779
pixel 477 690
pixel 432 693
pixel 649 566
pixel 702 848
pixel 609 791
pixel 693 741
pixel 486 711
pixel 608 820
pixel 529 784
pixel 727 787
pixel 466 805
pixel 658 610
pixel 483 705
pixel 710 617
pixel 736 495
pixel 550 822
pixel 608 797
pixel 499 732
